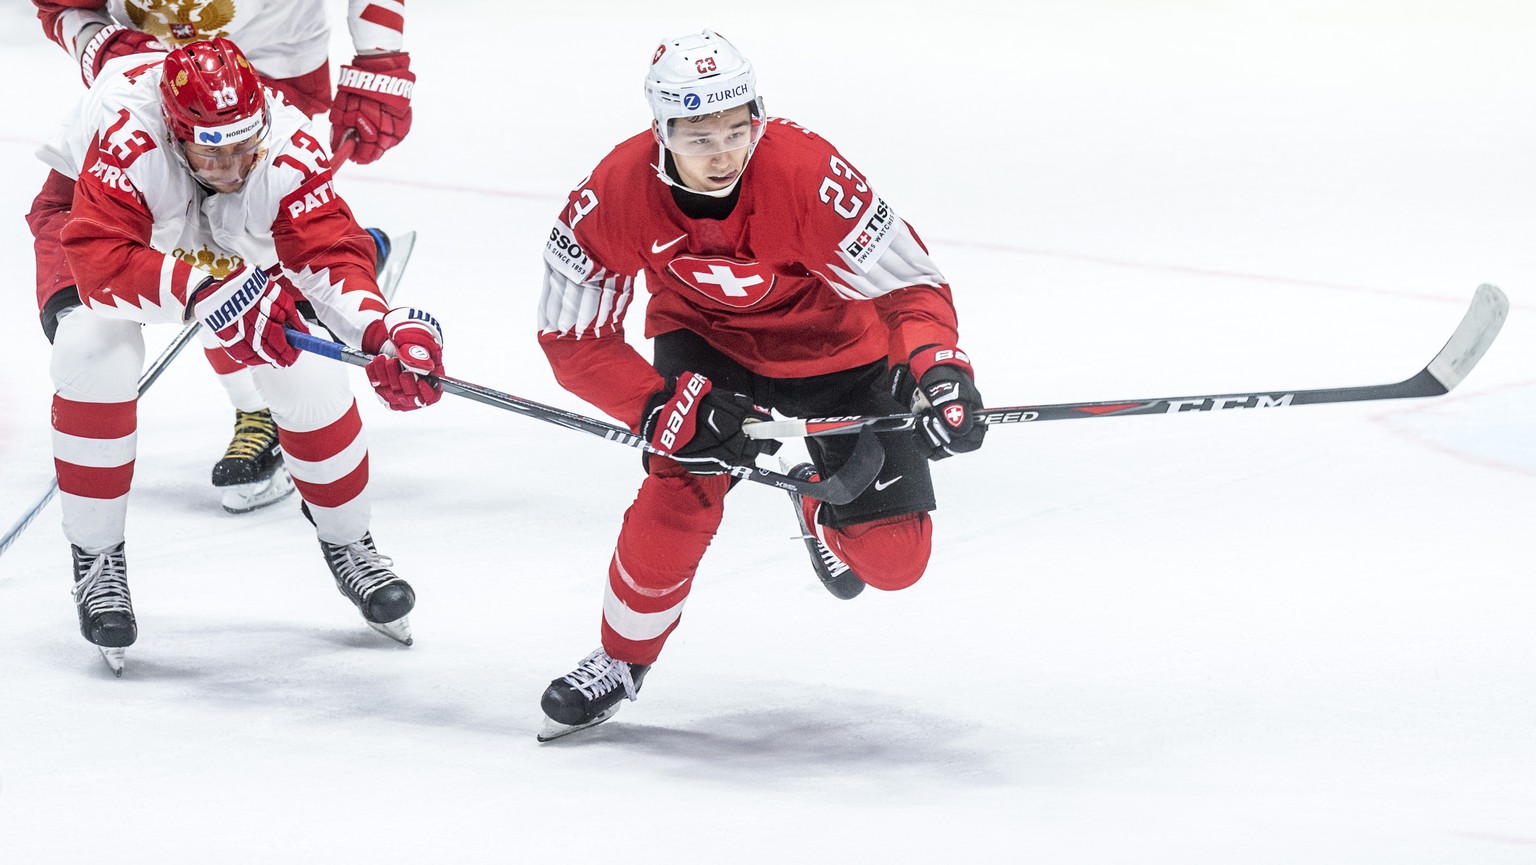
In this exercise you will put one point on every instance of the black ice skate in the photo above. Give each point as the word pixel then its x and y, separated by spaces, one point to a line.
pixel 252 474
pixel 364 577
pixel 102 600
pixel 589 695
pixel 833 572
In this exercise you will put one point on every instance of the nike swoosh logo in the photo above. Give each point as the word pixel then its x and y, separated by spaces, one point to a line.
pixel 663 247
pixel 880 485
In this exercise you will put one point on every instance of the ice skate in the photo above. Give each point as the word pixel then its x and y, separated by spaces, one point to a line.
pixel 103 603
pixel 365 578
pixel 833 572
pixel 392 254
pixel 589 695
pixel 252 474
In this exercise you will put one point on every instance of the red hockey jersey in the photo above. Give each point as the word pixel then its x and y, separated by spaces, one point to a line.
pixel 811 273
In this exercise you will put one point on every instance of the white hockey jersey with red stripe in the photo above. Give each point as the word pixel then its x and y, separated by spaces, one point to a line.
pixel 282 38
pixel 142 231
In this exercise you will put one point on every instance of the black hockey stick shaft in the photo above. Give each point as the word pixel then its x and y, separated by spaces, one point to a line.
pixel 145 380
pixel 842 487
pixel 1461 353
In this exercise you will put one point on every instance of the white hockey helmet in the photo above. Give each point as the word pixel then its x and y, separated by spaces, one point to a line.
pixel 700 74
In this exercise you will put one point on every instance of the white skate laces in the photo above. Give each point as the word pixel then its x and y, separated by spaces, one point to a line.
pixel 361 568
pixel 104 586
pixel 599 674
pixel 835 566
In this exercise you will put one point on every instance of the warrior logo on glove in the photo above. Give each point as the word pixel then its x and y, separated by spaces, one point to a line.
pixel 372 111
pixel 407 344
pixel 247 312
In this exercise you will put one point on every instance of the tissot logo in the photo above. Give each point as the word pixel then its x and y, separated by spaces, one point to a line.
pixel 727 281
pixel 874 233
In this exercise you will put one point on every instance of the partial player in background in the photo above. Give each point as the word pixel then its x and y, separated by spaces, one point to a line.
pixel 288 42
pixel 189 151
pixel 777 278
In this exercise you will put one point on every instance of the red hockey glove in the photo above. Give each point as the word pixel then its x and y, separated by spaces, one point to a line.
pixel 700 427
pixel 247 311
pixel 408 347
pixel 947 399
pixel 111 41
pixel 373 102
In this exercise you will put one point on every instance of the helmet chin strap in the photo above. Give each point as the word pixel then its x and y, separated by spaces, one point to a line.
pixel 668 179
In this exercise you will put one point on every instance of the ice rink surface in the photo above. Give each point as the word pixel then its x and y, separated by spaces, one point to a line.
pixel 1258 637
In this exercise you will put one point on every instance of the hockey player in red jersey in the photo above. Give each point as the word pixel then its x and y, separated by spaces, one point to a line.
pixel 288 43
pixel 778 278
pixel 186 151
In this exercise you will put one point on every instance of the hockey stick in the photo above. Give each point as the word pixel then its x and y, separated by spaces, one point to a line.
pixel 1461 353
pixel 343 151
pixel 842 487
pixel 145 380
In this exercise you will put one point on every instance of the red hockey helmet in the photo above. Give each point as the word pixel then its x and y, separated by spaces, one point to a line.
pixel 211 95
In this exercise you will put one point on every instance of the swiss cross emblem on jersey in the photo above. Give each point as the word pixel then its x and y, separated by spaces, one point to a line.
pixel 726 281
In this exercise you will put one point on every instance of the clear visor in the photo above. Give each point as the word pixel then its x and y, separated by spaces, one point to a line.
pixel 708 134
pixel 224 152
pixel 225 165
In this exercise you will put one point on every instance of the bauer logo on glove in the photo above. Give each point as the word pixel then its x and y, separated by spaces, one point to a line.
pixel 699 426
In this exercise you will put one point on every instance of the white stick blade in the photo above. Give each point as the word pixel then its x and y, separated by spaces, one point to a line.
pixel 774 429
pixel 1472 337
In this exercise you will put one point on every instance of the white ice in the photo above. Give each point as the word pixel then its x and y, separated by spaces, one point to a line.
pixel 1297 636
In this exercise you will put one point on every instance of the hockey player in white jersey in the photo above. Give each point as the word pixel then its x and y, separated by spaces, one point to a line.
pixel 287 41
pixel 189 151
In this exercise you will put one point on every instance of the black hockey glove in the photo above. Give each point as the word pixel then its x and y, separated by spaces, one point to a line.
pixel 700 427
pixel 946 399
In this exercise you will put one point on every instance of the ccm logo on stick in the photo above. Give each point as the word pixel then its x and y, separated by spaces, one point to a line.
pixel 1217 403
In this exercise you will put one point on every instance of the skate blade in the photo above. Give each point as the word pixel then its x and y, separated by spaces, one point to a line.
pixel 244 498
pixel 394 266
pixel 554 729
pixel 399 630
pixel 845 586
pixel 114 659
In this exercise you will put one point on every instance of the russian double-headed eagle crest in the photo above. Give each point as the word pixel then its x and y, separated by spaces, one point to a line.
pixel 181 21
